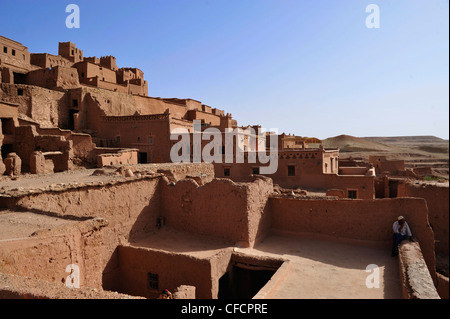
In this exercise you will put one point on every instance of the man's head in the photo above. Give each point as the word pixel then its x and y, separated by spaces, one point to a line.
pixel 401 220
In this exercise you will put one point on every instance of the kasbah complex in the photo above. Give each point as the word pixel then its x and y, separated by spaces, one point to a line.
pixel 92 206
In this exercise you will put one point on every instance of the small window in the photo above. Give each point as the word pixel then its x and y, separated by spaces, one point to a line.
pixel 291 170
pixel 5 50
pixel 13 52
pixel 75 103
pixel 153 281
pixel 82 74
pixel 19 92
pixel 150 140
pixel 117 139
pixel 353 194
pixel 72 53
pixel 226 172
pixel 138 139
pixel 255 170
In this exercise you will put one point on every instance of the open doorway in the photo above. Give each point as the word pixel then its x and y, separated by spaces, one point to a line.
pixel 243 282
pixel 6 149
pixel 142 158
pixel 246 276
pixel 20 78
pixel 72 119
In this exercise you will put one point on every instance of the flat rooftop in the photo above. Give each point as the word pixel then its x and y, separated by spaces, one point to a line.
pixel 326 269
pixel 76 178
pixel 319 268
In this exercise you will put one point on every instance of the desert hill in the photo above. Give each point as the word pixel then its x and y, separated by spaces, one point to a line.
pixel 417 151
pixel 347 143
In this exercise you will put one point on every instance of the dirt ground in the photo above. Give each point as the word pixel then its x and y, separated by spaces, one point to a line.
pixel 15 225
pixel 324 269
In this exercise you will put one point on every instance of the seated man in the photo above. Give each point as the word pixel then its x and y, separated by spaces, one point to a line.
pixel 166 294
pixel 401 232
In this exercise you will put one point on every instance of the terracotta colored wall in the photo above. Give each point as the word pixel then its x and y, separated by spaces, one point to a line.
pixel 91 70
pixel 123 157
pixel 382 164
pixel 416 280
pixel 172 269
pixel 47 107
pixel 366 220
pixel 363 184
pixel 58 77
pixel 437 198
pixel 136 133
pixel 207 117
pixel 352 170
pixel 46 255
pixel 21 59
pixel 188 207
pixel 128 209
pixel 150 105
pixel 45 60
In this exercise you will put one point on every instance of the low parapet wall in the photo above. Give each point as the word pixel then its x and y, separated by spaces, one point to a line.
pixel 437 198
pixel 274 282
pixel 416 280
pixel 367 221
pixel 236 214
pixel 121 157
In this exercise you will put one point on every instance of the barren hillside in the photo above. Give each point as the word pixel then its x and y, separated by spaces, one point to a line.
pixel 417 151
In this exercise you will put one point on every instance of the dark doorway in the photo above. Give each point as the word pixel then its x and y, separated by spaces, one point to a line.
pixel 142 158
pixel 291 170
pixel 6 149
pixel 393 189
pixel 71 119
pixel 243 282
pixel 353 194
pixel 20 78
pixel 7 126
pixel 225 291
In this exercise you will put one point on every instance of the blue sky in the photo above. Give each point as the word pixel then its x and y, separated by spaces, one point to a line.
pixel 308 67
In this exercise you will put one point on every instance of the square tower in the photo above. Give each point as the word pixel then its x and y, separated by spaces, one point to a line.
pixel 69 51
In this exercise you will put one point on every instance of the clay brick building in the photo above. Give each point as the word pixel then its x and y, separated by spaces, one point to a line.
pixel 66 112
pixel 93 96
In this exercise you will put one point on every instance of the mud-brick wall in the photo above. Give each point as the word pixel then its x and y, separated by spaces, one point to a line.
pixel 437 197
pixel 128 209
pixel 48 107
pixel 48 254
pixel 173 270
pixel 43 258
pixel 365 220
pixel 222 208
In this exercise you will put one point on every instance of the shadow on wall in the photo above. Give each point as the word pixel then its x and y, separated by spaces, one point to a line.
pixel 236 215
pixel 358 220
